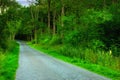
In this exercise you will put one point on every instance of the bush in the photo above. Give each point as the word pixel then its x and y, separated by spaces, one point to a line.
pixel 115 50
pixel 91 56
pixel 9 63
pixel 55 40
pixel 96 45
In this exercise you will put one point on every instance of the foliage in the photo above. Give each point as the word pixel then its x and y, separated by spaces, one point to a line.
pixel 55 40
pixel 13 27
pixel 9 63
pixel 85 30
pixel 92 16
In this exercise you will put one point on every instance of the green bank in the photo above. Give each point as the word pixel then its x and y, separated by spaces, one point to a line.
pixel 9 62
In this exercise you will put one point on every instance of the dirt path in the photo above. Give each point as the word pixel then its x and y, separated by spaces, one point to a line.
pixel 34 65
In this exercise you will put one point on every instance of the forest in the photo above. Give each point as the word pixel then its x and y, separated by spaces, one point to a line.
pixel 88 30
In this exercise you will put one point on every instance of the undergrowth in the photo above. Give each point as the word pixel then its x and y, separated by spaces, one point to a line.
pixel 9 63
pixel 87 60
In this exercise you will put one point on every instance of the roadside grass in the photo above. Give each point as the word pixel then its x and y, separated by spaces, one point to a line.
pixel 52 51
pixel 9 63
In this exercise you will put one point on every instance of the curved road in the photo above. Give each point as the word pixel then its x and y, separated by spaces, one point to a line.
pixel 34 65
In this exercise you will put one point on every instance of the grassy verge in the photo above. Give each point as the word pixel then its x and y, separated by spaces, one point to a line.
pixel 114 75
pixel 9 63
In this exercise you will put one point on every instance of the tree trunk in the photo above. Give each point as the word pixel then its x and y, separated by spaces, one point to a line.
pixel 49 1
pixel 13 37
pixel 62 14
pixel 114 1
pixel 54 23
pixel 32 13
pixel 35 36
pixel 10 37
pixel 31 38
pixel 42 21
pixel 104 3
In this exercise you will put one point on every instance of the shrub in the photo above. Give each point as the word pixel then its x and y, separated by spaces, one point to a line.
pixel 55 40
pixel 115 50
pixel 9 63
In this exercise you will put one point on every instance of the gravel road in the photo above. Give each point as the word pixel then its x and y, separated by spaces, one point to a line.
pixel 34 65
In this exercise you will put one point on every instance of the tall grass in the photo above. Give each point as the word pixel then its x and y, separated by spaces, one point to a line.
pixel 9 62
pixel 97 57
pixel 98 61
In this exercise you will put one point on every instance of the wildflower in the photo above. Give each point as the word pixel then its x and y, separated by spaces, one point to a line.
pixel 110 52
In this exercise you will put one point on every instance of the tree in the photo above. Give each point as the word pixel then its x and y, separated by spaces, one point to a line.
pixel 49 6
pixel 5 6
pixel 13 27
